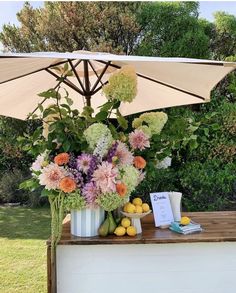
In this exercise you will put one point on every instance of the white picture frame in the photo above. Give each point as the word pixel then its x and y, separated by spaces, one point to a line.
pixel 163 215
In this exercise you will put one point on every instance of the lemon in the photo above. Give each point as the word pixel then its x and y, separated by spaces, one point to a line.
pixel 131 231
pixel 131 208
pixel 125 222
pixel 185 221
pixel 137 201
pixel 145 207
pixel 125 207
pixel 138 209
pixel 120 231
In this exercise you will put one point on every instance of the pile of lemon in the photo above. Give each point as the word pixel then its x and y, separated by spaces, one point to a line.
pixel 125 228
pixel 136 206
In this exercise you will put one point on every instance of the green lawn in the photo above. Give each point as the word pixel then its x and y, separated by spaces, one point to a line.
pixel 23 233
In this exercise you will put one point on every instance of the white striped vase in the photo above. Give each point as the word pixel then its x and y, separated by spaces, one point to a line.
pixel 85 223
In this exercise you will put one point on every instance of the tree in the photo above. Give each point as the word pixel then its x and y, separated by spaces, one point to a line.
pixel 223 36
pixel 70 26
pixel 172 29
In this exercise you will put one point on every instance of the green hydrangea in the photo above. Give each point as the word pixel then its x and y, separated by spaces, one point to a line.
pixel 146 130
pixel 110 201
pixel 151 123
pixel 130 176
pixel 94 133
pixel 74 201
pixel 122 85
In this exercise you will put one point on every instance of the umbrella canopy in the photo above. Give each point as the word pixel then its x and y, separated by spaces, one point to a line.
pixel 162 82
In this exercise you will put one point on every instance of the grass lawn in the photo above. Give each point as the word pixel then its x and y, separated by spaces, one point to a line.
pixel 23 232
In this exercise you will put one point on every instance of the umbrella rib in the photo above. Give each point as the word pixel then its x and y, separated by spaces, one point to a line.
pixel 91 65
pixel 32 72
pixel 159 82
pixel 76 73
pixel 171 86
pixel 99 88
pixel 100 77
pixel 66 81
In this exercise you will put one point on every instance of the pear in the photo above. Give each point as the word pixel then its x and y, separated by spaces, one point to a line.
pixel 112 223
pixel 104 228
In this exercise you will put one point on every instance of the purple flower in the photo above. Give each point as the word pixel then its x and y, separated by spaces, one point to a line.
pixel 72 162
pixel 112 152
pixel 90 193
pixel 77 176
pixel 83 162
pixel 92 167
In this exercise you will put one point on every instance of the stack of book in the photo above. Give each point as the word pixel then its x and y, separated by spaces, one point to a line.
pixel 187 229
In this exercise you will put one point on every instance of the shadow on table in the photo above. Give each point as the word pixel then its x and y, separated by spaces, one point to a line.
pixel 24 223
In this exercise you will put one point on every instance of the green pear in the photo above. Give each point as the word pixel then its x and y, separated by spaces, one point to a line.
pixel 112 223
pixel 104 228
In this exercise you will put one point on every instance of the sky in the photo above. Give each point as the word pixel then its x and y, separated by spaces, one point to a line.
pixel 8 10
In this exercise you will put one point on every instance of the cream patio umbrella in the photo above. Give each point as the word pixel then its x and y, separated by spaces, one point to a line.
pixel 162 82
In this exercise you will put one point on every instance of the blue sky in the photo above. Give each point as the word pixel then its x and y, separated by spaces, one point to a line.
pixel 8 9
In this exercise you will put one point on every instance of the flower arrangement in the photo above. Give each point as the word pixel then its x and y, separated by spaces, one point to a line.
pixel 104 173
pixel 85 160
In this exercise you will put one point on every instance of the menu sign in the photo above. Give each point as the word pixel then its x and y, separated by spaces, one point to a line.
pixel 161 208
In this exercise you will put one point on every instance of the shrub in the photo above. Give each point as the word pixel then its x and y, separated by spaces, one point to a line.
pixel 10 192
pixel 208 186
pixel 9 187
pixel 157 181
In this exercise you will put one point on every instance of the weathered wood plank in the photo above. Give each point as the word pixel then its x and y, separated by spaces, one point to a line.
pixel 218 227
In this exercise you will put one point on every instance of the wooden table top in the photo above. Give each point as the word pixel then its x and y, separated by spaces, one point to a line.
pixel 218 227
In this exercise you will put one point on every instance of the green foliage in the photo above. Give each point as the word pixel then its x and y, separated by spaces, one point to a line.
pixel 216 134
pixel 69 26
pixel 9 187
pixel 11 155
pixel 192 135
pixel 157 181
pixel 172 29
pixel 208 186
pixel 223 42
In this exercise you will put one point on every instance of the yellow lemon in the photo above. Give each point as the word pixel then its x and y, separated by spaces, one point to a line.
pixel 120 231
pixel 131 208
pixel 131 231
pixel 185 221
pixel 125 207
pixel 145 207
pixel 125 222
pixel 138 209
pixel 137 201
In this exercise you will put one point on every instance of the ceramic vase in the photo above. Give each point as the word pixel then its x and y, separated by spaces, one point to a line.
pixel 85 222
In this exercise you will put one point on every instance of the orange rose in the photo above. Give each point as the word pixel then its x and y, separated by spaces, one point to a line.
pixel 62 159
pixel 139 162
pixel 121 189
pixel 67 184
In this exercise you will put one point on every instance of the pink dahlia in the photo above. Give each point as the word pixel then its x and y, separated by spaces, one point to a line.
pixel 139 140
pixel 125 157
pixel 83 162
pixel 90 193
pixel 105 177
pixel 51 176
